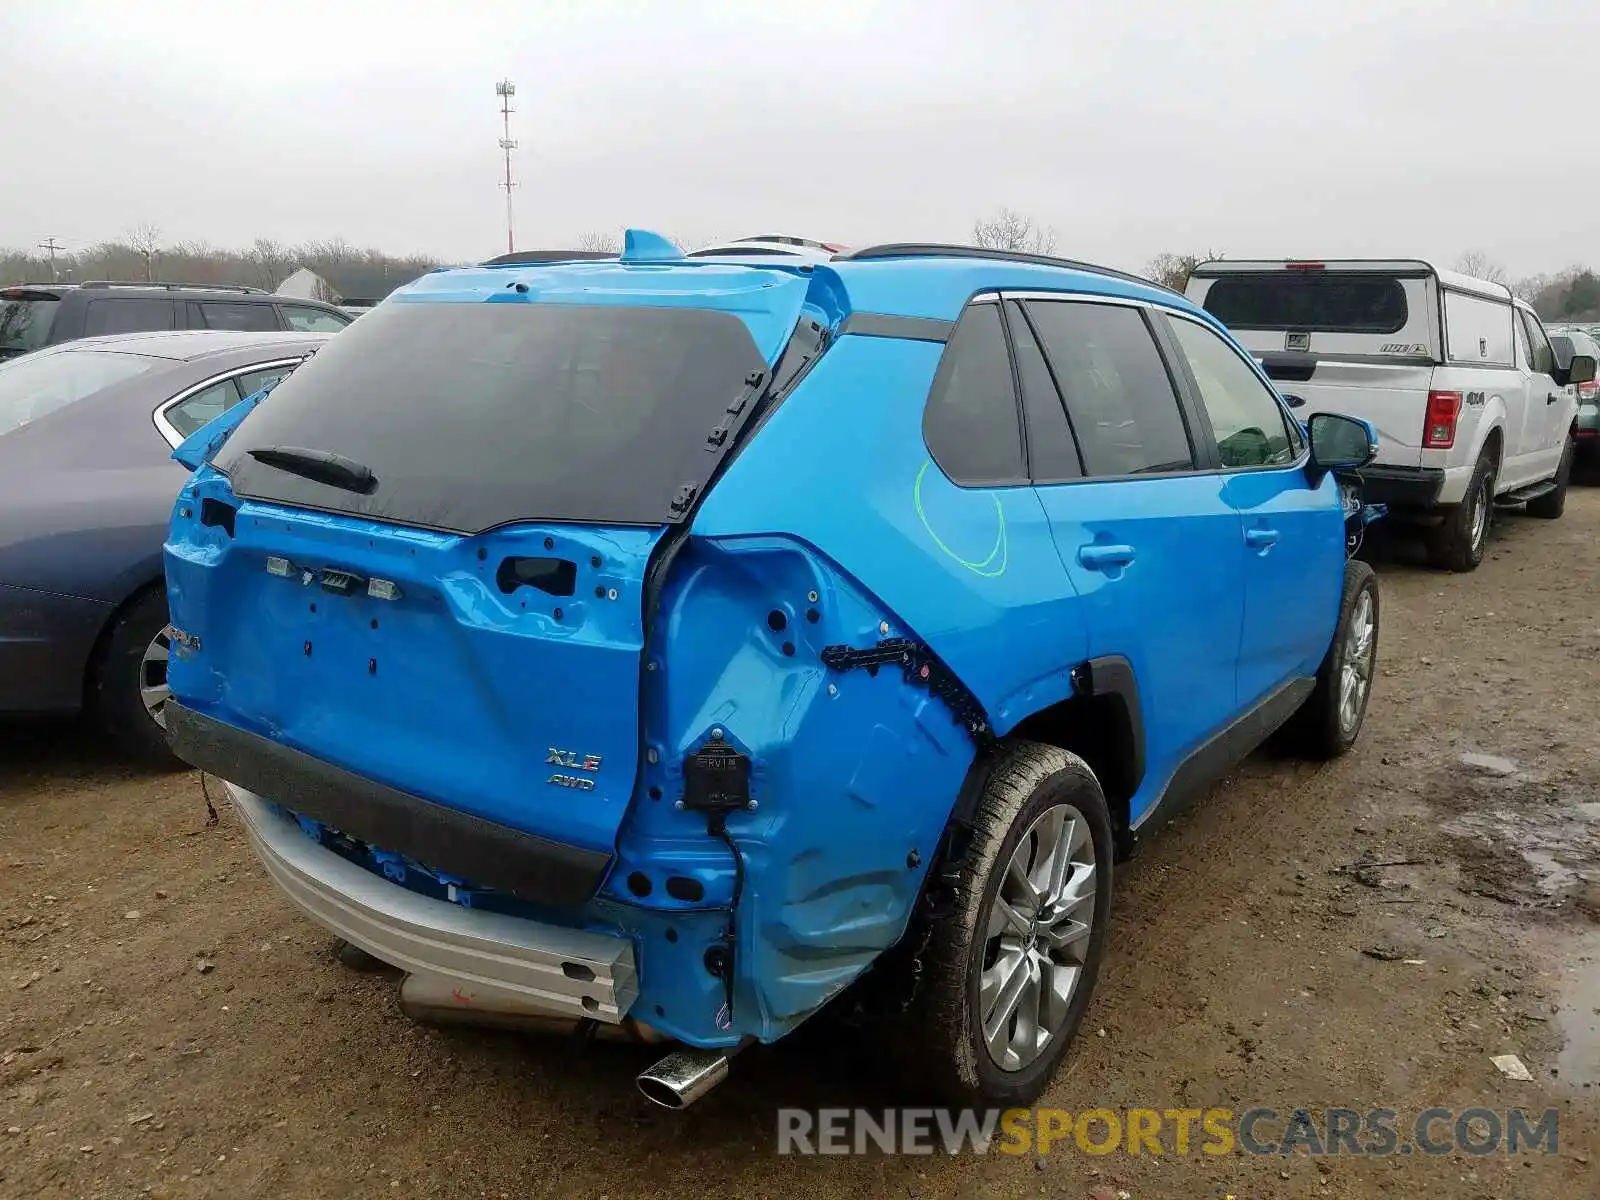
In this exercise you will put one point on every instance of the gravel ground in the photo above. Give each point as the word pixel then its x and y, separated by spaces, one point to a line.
pixel 169 1027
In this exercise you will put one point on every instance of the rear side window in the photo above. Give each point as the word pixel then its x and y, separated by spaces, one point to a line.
pixel 1246 418
pixel 244 318
pixel 1315 301
pixel 35 386
pixel 253 381
pixel 313 320
pixel 472 416
pixel 1120 398
pixel 25 322
pixel 126 314
pixel 190 413
pixel 970 423
pixel 206 405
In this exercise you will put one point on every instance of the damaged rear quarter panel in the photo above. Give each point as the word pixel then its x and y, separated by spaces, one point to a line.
pixel 854 774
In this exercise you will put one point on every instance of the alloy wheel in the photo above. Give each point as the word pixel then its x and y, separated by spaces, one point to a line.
pixel 1480 514
pixel 153 689
pixel 1355 671
pixel 1036 937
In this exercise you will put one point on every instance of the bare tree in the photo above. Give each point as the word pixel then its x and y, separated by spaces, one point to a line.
pixel 1173 270
pixel 604 243
pixel 1527 289
pixel 1010 230
pixel 1480 266
pixel 264 264
pixel 270 263
pixel 145 240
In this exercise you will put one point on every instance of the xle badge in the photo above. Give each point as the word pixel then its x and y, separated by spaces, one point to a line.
pixel 571 760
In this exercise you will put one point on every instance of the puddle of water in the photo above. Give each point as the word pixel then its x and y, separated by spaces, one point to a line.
pixel 1489 764
pixel 1536 842
pixel 1578 1064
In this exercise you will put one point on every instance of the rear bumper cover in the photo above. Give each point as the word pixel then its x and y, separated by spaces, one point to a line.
pixel 486 961
pixel 509 860
pixel 1402 488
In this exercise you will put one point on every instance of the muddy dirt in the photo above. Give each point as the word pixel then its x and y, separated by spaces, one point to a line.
pixel 1366 934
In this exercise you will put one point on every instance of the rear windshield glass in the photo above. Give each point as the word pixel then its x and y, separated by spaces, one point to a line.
pixel 473 415
pixel 1310 300
pixel 25 324
pixel 39 384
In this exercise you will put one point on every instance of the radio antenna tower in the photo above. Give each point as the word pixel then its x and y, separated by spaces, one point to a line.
pixel 505 89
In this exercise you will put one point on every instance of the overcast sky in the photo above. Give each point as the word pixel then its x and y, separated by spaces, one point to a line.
pixel 1359 127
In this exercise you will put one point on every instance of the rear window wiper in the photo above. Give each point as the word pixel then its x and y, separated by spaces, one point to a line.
pixel 321 466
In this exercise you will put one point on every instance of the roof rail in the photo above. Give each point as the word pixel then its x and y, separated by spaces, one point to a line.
pixel 940 250
pixel 173 287
pixel 524 257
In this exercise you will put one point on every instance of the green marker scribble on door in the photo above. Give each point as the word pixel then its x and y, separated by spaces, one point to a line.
pixel 987 567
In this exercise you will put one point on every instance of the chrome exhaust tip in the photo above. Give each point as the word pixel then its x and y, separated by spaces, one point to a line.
pixel 683 1077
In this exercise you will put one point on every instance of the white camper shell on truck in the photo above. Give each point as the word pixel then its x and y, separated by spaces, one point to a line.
pixel 1471 405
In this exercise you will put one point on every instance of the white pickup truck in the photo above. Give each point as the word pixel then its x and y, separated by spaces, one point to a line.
pixel 1472 407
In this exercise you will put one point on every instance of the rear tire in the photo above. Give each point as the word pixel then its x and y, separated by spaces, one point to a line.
pixel 1551 505
pixel 127 685
pixel 1027 928
pixel 1458 543
pixel 1330 720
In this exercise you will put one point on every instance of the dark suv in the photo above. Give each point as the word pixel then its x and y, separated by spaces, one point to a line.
pixel 34 315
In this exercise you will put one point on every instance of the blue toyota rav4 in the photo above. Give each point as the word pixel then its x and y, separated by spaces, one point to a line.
pixel 664 646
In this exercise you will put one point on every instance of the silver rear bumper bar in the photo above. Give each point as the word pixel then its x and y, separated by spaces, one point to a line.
pixel 487 963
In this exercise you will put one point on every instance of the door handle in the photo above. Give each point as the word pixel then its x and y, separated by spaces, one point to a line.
pixel 1099 555
pixel 1551 397
pixel 1261 539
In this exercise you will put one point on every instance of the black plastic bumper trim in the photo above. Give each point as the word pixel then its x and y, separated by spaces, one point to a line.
pixel 524 865
pixel 1401 487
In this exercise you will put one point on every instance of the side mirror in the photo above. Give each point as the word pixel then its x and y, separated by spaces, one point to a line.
pixel 1582 368
pixel 1341 443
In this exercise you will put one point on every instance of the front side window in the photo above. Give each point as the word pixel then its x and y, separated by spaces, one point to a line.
pixel 1544 356
pixel 38 384
pixel 1118 393
pixel 970 423
pixel 126 314
pixel 1245 415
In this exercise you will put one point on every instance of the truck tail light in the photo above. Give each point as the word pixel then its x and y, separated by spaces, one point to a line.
pixel 1439 430
pixel 1588 391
